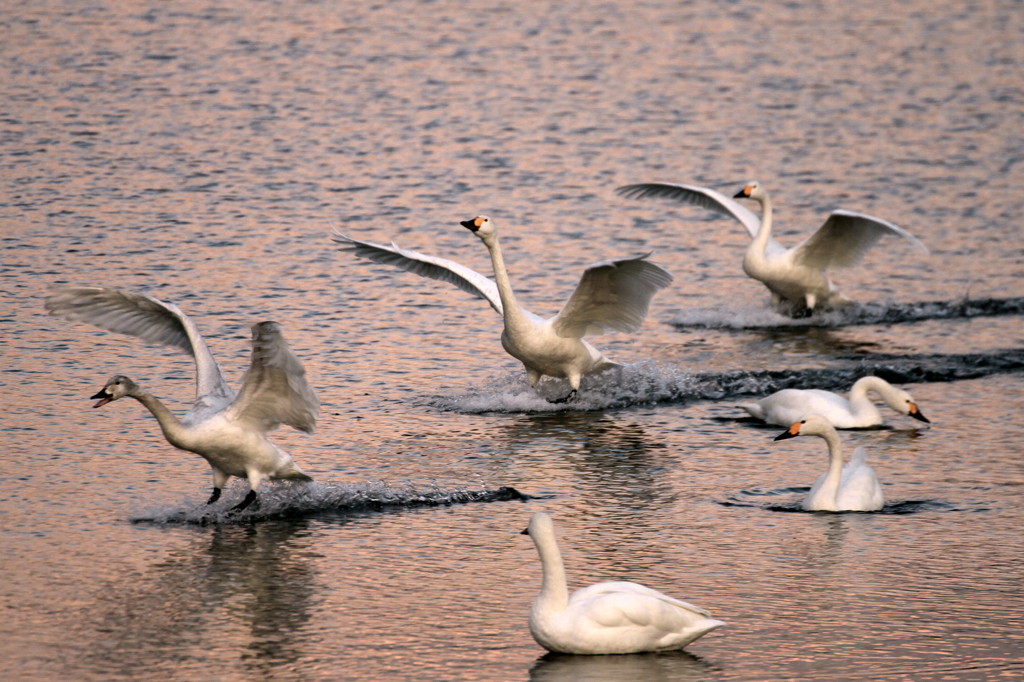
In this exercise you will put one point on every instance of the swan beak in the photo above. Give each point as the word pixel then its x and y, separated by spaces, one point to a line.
pixel 917 414
pixel 471 225
pixel 743 193
pixel 102 397
pixel 525 531
pixel 792 432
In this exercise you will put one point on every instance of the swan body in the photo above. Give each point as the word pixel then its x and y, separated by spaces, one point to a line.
pixel 613 294
pixel 228 431
pixel 607 618
pixel 853 487
pixel 790 405
pixel 797 275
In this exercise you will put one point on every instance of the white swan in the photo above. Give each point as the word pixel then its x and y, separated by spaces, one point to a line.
pixel 795 275
pixel 613 294
pixel 606 618
pixel 853 487
pixel 229 432
pixel 790 404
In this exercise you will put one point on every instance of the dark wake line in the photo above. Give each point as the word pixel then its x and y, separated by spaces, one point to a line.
pixel 646 383
pixel 896 369
pixel 854 314
pixel 316 499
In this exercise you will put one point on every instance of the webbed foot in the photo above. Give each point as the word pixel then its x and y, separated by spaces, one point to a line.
pixel 567 399
pixel 249 499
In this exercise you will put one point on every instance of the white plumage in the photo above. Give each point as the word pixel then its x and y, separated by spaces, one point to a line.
pixel 791 404
pixel 613 294
pixel 796 275
pixel 607 618
pixel 853 487
pixel 228 431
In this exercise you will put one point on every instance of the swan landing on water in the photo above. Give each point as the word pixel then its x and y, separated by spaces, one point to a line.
pixel 613 294
pixel 229 432
pixel 795 276
pixel 607 618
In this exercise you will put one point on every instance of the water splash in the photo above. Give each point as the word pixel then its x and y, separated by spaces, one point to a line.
pixel 649 383
pixel 294 500
pixel 853 314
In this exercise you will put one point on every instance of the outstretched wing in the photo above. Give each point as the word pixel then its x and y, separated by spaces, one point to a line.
pixel 421 264
pixel 275 390
pixel 698 196
pixel 613 294
pixel 146 318
pixel 844 239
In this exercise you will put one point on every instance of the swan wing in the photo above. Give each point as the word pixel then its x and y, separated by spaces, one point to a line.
pixel 844 239
pixel 148 319
pixel 698 196
pixel 464 278
pixel 275 390
pixel 613 294
pixel 859 489
pixel 633 601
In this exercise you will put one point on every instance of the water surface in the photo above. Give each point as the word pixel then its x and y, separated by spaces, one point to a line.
pixel 203 152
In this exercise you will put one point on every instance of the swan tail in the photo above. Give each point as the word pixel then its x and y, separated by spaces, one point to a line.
pixel 858 459
pixel 754 410
pixel 292 473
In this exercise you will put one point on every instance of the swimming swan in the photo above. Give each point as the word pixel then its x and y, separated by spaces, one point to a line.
pixel 795 275
pixel 229 432
pixel 790 404
pixel 607 618
pixel 613 294
pixel 853 487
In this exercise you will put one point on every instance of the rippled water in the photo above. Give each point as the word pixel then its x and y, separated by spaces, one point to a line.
pixel 202 152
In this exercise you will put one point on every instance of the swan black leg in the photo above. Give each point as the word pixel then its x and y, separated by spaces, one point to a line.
pixel 566 399
pixel 249 499
pixel 214 496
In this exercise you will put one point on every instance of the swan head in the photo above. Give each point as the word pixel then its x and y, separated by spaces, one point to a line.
pixel 905 404
pixel 540 524
pixel 118 387
pixel 752 190
pixel 482 226
pixel 811 425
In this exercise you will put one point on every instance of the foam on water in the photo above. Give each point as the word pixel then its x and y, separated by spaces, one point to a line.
pixel 854 314
pixel 292 500
pixel 649 383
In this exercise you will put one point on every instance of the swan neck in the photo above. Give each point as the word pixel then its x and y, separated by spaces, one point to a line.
pixel 508 297
pixel 865 385
pixel 172 428
pixel 764 233
pixel 835 461
pixel 554 592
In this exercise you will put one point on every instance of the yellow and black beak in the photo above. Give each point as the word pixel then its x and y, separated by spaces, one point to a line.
pixel 103 397
pixel 917 414
pixel 472 225
pixel 792 432
pixel 743 193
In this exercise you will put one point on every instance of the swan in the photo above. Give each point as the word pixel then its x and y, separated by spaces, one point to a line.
pixel 228 431
pixel 607 618
pixel 853 487
pixel 790 404
pixel 795 275
pixel 613 294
